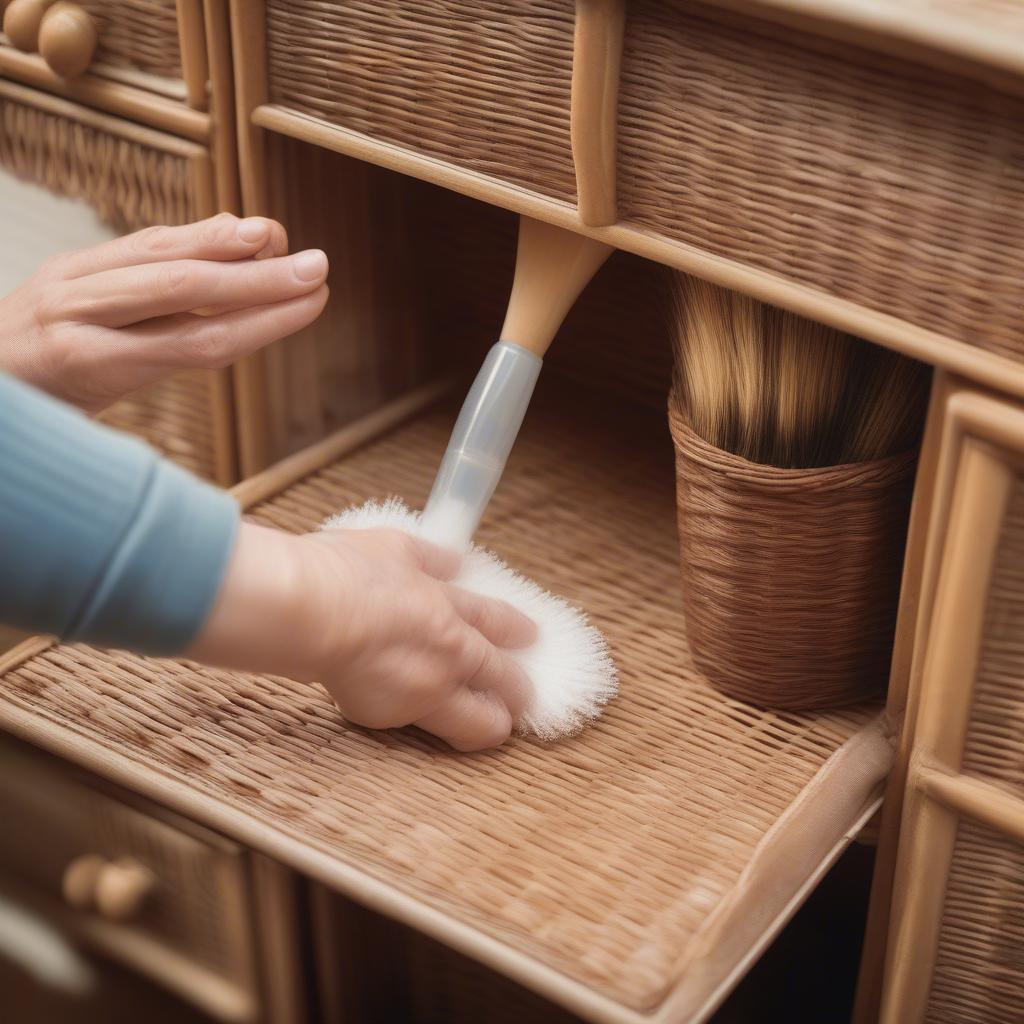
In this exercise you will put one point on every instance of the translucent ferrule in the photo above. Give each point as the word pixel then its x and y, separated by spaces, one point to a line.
pixel 480 444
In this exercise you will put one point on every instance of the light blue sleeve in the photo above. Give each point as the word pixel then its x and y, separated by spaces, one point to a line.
pixel 101 540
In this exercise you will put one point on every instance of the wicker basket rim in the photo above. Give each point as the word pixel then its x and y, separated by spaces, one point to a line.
pixel 876 471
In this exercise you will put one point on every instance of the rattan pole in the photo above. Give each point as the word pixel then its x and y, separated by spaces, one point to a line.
pixel 976 799
pixel 192 42
pixel 224 142
pixel 597 58
pixel 248 31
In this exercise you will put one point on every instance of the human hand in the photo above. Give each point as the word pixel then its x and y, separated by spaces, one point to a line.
pixel 372 615
pixel 94 325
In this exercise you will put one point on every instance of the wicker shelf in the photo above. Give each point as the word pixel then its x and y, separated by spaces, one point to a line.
pixel 630 873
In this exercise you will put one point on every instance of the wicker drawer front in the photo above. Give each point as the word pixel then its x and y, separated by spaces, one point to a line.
pixel 482 84
pixel 889 185
pixel 137 34
pixel 193 930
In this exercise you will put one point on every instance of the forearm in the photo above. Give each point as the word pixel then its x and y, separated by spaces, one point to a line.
pixel 100 539
pixel 261 620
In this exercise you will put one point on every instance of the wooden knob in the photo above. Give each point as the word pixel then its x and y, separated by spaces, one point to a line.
pixel 122 888
pixel 79 881
pixel 67 39
pixel 21 23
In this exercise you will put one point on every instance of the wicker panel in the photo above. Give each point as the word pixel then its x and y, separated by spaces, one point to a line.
pixel 995 737
pixel 603 855
pixel 131 186
pixel 480 83
pixel 174 417
pixel 139 34
pixel 893 186
pixel 979 967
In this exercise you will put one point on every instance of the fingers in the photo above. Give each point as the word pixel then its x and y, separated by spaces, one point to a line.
pixel 470 720
pixel 498 675
pixel 187 341
pixel 441 563
pixel 498 621
pixel 224 237
pixel 129 295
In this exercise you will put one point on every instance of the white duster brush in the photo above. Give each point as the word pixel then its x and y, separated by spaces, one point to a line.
pixel 569 666
pixel 572 673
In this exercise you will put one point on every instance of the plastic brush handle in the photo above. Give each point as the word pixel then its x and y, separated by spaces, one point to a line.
pixel 480 444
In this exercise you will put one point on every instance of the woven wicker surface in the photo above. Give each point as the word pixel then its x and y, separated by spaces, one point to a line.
pixel 139 34
pixel 130 185
pixel 994 747
pixel 895 187
pixel 603 855
pixel 174 417
pixel 791 576
pixel 483 84
pixel 979 973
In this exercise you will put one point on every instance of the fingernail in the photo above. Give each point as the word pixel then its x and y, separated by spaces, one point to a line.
pixel 252 230
pixel 310 265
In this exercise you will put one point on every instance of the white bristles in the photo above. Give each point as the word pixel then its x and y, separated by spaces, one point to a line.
pixel 570 666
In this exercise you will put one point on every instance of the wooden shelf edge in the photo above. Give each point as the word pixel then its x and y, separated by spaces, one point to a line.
pixel 997 372
pixel 177 794
pixel 915 33
pixel 114 97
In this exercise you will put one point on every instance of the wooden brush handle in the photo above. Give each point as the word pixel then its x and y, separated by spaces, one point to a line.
pixel 552 267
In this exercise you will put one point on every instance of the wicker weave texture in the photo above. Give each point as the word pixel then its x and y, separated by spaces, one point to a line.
pixel 139 34
pixel 603 855
pixel 979 971
pixel 892 186
pixel 790 576
pixel 483 84
pixel 994 747
pixel 174 417
pixel 130 185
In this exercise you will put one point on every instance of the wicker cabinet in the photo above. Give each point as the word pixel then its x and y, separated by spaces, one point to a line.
pixel 956 919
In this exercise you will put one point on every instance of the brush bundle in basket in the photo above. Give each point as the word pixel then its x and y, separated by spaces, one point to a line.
pixel 795 454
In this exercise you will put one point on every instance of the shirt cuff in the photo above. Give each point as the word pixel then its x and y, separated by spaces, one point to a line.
pixel 160 585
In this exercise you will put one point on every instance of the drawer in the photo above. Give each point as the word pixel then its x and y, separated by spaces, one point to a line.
pixel 122 177
pixel 154 45
pixel 159 895
pixel 480 84
pixel 628 873
pixel 864 176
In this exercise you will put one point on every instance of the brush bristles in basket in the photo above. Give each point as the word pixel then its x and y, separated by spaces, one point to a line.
pixel 780 390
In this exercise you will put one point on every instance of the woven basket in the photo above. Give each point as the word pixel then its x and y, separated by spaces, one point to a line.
pixel 790 576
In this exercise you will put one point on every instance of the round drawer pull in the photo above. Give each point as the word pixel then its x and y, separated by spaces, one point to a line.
pixel 122 888
pixel 21 23
pixel 79 881
pixel 67 39
pixel 117 889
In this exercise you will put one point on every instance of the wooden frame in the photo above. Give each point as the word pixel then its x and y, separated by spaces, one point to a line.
pixel 981 449
pixel 592 218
